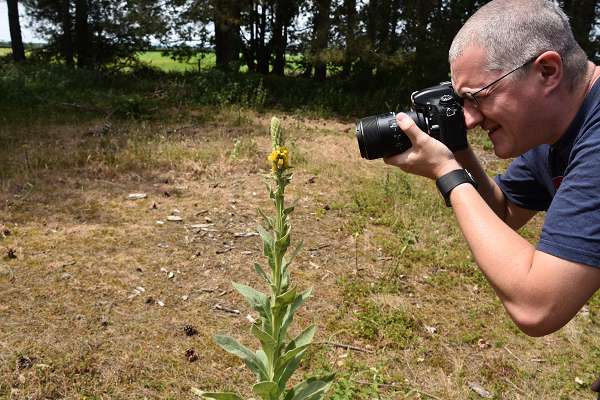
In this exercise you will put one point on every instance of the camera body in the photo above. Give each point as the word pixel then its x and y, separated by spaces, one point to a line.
pixel 436 110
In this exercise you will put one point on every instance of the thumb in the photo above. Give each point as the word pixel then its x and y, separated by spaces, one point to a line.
pixel 408 126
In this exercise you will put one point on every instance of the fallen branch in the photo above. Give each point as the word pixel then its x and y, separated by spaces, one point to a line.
pixel 346 346
pixel 225 309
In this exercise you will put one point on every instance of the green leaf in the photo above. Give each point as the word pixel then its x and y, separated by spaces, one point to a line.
pixel 311 389
pixel 290 209
pixel 286 298
pixel 262 273
pixel 287 357
pixel 267 390
pixel 265 236
pixel 289 316
pixel 257 300
pixel 288 260
pixel 268 220
pixel 232 346
pixel 266 340
pixel 288 369
pixel 303 339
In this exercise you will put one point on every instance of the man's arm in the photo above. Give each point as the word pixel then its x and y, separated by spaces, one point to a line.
pixel 540 292
pixel 513 215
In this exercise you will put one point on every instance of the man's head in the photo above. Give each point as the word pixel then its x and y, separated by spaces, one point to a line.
pixel 529 41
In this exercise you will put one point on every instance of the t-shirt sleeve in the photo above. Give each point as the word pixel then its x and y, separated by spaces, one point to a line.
pixel 572 225
pixel 521 183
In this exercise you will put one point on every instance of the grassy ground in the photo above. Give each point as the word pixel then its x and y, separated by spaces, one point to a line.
pixel 95 292
pixel 4 51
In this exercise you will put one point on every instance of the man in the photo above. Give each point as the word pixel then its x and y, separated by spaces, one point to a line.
pixel 524 80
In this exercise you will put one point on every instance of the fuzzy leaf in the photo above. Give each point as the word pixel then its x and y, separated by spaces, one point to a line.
pixel 286 298
pixel 268 220
pixel 289 316
pixel 266 340
pixel 288 260
pixel 289 369
pixel 257 300
pixel 262 273
pixel 303 339
pixel 267 390
pixel 289 356
pixel 231 345
pixel 310 389
pixel 266 237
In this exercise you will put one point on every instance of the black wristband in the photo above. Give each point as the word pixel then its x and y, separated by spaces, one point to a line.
pixel 452 179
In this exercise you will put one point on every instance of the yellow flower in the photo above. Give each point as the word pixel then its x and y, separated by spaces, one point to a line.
pixel 279 158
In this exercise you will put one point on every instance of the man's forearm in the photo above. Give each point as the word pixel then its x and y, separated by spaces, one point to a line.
pixel 487 188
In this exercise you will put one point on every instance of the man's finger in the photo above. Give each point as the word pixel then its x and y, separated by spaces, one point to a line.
pixel 408 126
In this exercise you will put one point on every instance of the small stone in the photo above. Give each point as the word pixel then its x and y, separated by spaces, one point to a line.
pixel 174 218
pixel 137 196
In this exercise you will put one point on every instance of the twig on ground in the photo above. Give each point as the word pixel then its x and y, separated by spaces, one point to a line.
pixel 345 346
pixel 225 309
pixel 515 386
pixel 512 354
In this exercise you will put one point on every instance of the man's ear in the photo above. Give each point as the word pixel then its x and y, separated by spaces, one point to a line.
pixel 550 72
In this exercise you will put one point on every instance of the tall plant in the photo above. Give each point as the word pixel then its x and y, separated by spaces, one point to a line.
pixel 278 357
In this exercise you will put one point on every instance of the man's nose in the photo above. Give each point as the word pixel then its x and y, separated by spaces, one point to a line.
pixel 473 116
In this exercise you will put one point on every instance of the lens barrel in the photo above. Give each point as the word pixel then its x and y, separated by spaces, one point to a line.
pixel 379 136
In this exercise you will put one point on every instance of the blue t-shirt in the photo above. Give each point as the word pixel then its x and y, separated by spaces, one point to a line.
pixel 564 180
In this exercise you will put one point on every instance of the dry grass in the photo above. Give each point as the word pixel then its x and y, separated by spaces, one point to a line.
pixel 391 273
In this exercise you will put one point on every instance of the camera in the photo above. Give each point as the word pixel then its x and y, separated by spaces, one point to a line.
pixel 436 110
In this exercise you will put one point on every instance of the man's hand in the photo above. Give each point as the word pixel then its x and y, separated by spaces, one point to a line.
pixel 427 157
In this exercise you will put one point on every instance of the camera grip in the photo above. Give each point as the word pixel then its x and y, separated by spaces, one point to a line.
pixel 453 131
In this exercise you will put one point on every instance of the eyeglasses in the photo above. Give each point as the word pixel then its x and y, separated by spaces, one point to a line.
pixel 472 97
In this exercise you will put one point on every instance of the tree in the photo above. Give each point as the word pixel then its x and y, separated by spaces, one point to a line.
pixel 320 38
pixel 95 33
pixel 16 40
pixel 227 18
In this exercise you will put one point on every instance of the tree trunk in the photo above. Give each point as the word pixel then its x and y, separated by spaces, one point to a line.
pixel 67 38
pixel 349 32
pixel 82 34
pixel 321 38
pixel 227 33
pixel 263 55
pixel 279 44
pixel 16 40
pixel 284 12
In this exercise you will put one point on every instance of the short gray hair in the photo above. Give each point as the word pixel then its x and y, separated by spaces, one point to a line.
pixel 515 31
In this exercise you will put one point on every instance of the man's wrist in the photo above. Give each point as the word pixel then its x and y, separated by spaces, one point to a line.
pixel 447 167
pixel 447 182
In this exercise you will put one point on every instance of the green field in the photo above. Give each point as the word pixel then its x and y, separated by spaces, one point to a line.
pixel 4 51
pixel 166 63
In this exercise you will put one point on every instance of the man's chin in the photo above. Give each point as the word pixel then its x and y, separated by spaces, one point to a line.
pixel 503 153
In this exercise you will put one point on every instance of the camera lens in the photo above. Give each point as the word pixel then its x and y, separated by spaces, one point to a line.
pixel 379 136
